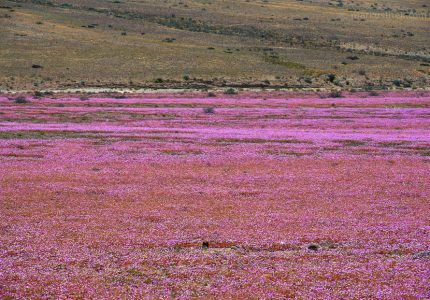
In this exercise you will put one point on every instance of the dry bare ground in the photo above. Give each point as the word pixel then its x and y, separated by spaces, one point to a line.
pixel 364 44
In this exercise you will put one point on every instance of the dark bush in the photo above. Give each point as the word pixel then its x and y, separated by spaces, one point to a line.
pixel 331 77
pixel 314 247
pixel 209 110
pixel 335 94
pixel 407 83
pixel 397 82
pixel 21 100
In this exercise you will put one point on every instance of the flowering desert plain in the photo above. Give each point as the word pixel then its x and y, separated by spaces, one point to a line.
pixel 269 195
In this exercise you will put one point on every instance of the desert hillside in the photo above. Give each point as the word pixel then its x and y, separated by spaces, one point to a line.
pixel 356 44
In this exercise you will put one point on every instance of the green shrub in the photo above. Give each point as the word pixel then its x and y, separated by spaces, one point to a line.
pixel 407 83
pixel 307 79
pixel 397 82
pixel 230 91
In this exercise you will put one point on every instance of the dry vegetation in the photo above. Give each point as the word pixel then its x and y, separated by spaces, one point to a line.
pixel 72 43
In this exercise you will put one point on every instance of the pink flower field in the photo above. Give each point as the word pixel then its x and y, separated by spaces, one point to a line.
pixel 261 196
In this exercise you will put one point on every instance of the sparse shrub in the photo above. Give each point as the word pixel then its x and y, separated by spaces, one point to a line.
pixel 373 93
pixel 335 94
pixel 66 5
pixel 407 83
pixel 38 94
pixel 21 100
pixel 211 94
pixel 307 79
pixel 83 98
pixel 362 72
pixel 331 77
pixel 159 80
pixel 209 110
pixel 169 40
pixel 337 82
pixel 230 91
pixel 381 84
pixel 368 86
pixel 186 77
pixel 397 82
